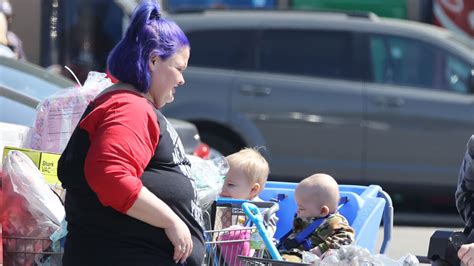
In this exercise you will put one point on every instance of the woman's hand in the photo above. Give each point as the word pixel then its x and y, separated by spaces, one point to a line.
pixel 466 254
pixel 150 209
pixel 179 235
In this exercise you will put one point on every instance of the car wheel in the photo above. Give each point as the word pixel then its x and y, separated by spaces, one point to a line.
pixel 221 144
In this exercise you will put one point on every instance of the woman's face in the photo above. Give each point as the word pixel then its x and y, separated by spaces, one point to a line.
pixel 166 76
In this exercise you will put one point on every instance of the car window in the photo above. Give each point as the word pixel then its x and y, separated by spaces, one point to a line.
pixel 402 61
pixel 230 49
pixel 457 73
pixel 408 62
pixel 307 52
pixel 24 115
pixel 25 83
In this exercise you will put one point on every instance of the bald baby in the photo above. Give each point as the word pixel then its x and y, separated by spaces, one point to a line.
pixel 317 196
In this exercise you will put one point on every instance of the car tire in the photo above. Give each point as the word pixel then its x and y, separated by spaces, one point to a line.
pixel 221 144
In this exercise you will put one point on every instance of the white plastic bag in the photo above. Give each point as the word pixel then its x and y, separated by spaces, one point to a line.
pixel 58 115
pixel 28 181
pixel 30 209
pixel 308 257
pixel 209 176
pixel 356 255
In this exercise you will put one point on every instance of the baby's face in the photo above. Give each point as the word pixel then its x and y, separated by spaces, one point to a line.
pixel 308 206
pixel 236 185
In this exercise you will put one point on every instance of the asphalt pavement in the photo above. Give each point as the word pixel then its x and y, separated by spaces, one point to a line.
pixel 412 232
pixel 428 219
pixel 410 240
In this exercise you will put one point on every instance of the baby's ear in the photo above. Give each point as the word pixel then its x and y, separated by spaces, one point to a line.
pixel 255 190
pixel 324 210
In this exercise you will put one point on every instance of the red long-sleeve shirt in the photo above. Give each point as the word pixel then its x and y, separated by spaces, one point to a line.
pixel 124 133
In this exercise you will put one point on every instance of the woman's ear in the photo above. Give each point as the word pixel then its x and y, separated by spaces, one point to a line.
pixel 152 62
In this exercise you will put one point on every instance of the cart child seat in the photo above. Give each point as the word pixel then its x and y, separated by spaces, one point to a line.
pixel 229 233
pixel 364 208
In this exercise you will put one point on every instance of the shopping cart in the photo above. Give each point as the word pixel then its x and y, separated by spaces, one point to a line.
pixel 236 235
pixel 365 208
pixel 21 251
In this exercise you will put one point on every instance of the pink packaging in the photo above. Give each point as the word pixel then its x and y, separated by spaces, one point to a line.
pixel 59 114
pixel 229 251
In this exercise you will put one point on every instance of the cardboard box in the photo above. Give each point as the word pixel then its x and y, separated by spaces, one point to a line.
pixel 46 162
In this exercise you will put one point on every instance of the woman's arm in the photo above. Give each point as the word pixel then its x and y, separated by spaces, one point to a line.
pixel 150 209
pixel 123 133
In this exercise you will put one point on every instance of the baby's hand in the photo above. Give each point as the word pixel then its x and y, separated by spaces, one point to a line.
pixel 316 251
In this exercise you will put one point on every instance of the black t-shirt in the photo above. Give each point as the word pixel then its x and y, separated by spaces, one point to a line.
pixel 100 235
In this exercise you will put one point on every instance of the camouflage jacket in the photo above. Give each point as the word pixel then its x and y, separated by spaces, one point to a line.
pixel 333 232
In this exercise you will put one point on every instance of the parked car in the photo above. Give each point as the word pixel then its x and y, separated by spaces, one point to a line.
pixel 23 85
pixel 366 99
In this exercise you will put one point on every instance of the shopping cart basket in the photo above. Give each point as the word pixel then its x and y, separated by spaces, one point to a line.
pixel 22 251
pixel 366 207
pixel 226 241
pixel 275 259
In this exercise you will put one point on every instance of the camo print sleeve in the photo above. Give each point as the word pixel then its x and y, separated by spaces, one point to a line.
pixel 333 233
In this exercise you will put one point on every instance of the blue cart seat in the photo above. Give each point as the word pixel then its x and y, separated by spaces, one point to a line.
pixel 364 210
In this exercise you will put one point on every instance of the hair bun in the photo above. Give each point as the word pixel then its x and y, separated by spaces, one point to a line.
pixel 155 14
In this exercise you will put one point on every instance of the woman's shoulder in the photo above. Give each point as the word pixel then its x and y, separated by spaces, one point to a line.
pixel 119 98
pixel 125 106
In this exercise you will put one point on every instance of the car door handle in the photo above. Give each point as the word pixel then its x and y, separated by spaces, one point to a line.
pixel 251 90
pixel 392 102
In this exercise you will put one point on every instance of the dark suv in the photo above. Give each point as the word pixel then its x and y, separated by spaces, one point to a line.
pixel 366 99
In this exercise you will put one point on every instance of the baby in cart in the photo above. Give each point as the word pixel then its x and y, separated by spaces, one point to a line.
pixel 248 172
pixel 317 227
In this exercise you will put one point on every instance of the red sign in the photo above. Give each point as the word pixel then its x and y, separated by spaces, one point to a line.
pixel 455 15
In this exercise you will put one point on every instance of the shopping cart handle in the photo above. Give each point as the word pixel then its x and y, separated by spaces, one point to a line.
pixel 272 210
pixel 230 201
pixel 252 212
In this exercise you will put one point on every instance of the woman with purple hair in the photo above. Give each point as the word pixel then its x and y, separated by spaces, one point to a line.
pixel 130 196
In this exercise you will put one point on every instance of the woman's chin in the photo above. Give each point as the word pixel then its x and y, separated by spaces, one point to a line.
pixel 170 99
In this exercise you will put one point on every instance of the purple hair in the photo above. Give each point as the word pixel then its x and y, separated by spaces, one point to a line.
pixel 147 35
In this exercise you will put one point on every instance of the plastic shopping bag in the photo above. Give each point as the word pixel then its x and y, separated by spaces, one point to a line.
pixel 29 209
pixel 356 255
pixel 27 181
pixel 209 176
pixel 58 115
